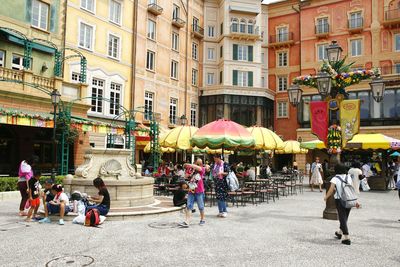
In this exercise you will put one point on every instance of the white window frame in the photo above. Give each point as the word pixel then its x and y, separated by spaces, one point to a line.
pixel 2 58
pixel 234 25
pixel 322 25
pixel 174 69
pixel 152 66
pixel 176 10
pixel 19 66
pixel 210 78
pixel 211 31
pixel 92 37
pixel 243 53
pixel 173 110
pixel 151 34
pixel 75 77
pixel 283 58
pixel 282 34
pixel 175 41
pixel 118 49
pixel 210 53
pixel 84 3
pixel 324 53
pixel 148 104
pixel 193 114
pixel 242 26
pixel 39 15
pixel 282 109
pixel 243 78
pixel 98 102
pixel 396 38
pixel 358 53
pixel 195 77
pixel 282 82
pixel 355 19
pixel 195 51
pixel 115 88
pixel 115 17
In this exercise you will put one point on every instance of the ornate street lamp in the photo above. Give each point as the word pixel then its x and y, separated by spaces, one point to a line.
pixel 183 120
pixel 55 100
pixel 295 94
pixel 334 52
pixel 324 83
pixel 377 88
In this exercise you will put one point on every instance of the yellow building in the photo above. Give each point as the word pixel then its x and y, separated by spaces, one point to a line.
pixel 102 31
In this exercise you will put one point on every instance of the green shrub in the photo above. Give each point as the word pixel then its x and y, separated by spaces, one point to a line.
pixel 10 183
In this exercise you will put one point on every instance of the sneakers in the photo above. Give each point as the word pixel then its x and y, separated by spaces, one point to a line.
pixel 224 214
pixel 183 225
pixel 61 222
pixel 45 220
pixel 346 242
pixel 202 223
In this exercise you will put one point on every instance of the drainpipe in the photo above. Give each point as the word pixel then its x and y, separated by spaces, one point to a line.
pixel 64 34
pixel 187 55
pixel 134 42
pixel 298 11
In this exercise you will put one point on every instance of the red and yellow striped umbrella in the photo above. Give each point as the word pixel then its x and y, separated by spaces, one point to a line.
pixel 223 134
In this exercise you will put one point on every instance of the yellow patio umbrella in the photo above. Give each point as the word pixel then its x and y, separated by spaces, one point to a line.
pixel 314 144
pixel 373 141
pixel 207 150
pixel 178 138
pixel 291 147
pixel 265 139
pixel 147 149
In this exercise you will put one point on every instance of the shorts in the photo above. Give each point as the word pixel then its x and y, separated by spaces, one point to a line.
pixel 198 197
pixel 35 202
pixel 54 209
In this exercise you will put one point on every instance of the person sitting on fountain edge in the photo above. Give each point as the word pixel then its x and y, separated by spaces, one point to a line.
pixel 102 200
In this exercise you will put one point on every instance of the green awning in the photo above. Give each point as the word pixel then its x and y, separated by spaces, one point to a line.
pixel 15 38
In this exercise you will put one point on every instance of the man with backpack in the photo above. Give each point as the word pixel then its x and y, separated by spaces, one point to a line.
pixel 345 198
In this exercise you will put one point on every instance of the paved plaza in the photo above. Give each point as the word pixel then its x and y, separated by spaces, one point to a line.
pixel 290 232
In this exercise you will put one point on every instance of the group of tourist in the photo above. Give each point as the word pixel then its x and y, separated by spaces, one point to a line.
pixel 53 197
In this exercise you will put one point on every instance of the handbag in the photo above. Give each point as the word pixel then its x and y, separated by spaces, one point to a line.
pixel 193 181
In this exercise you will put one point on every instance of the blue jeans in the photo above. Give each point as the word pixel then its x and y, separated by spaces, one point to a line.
pixel 198 197
pixel 221 206
pixel 54 209
pixel 101 208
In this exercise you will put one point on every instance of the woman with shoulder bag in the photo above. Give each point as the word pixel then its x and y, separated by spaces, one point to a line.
pixel 219 173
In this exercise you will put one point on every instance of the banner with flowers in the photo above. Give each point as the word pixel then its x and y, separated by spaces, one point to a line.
pixel 349 119
pixel 319 119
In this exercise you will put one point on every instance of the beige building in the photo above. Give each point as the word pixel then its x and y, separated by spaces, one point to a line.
pixel 235 63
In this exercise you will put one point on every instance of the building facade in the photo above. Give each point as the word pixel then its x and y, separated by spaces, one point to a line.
pixel 235 70
pixel 368 32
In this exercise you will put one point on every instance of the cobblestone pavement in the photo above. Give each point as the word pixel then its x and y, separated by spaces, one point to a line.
pixel 290 232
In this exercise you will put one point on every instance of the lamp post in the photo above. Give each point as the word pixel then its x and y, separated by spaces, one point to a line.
pixel 334 52
pixel 183 120
pixel 295 93
pixel 55 100
pixel 324 83
pixel 378 88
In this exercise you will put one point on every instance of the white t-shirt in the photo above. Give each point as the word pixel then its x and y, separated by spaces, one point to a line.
pixel 338 184
pixel 366 170
pixel 251 174
pixel 355 173
pixel 62 197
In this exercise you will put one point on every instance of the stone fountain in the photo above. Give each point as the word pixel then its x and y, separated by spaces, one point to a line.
pixel 126 185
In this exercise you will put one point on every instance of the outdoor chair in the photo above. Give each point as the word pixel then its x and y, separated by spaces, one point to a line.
pixel 299 182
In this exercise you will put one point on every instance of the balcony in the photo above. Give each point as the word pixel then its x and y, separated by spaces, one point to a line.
pixel 197 31
pixel 177 22
pixel 281 40
pixel 155 9
pixel 392 18
pixel 355 25
pixel 249 33
pixel 322 30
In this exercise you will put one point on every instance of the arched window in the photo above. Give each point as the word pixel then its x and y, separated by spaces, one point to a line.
pixel 234 26
pixel 250 27
pixel 242 26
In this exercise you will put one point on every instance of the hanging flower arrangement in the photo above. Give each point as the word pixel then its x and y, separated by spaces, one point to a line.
pixel 334 139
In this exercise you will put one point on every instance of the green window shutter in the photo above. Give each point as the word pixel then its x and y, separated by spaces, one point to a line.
pixel 250 74
pixel 250 50
pixel 28 16
pixel 222 28
pixel 235 52
pixel 52 19
pixel 235 77
pixel 220 77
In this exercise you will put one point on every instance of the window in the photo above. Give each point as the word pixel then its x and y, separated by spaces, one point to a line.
pixel 151 29
pixel 221 77
pixel 243 78
pixel 250 27
pixel 235 25
pixel 148 105
pixel 210 53
pixel 86 36
pixel 355 47
pixel 221 30
pixel 356 20
pixel 88 5
pixel 282 110
pixel 193 110
pixel 40 14
pixel 115 98
pixel 282 84
pixel 113 46
pixel 322 25
pixel 175 41
pixel 175 12
pixel 262 58
pixel 397 68
pixel 282 59
pixel 322 55
pixel 242 26
pixel 174 69
pixel 17 62
pixel 2 58
pixel 397 41
pixel 115 11
pixel 210 78
pixel 262 81
pixel 97 94
pixel 242 52
pixel 150 60
pixel 76 77
pixel 173 102
pixel 211 31
pixel 221 51
pixel 195 51
pixel 283 34
pixel 194 77
pixel 196 23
